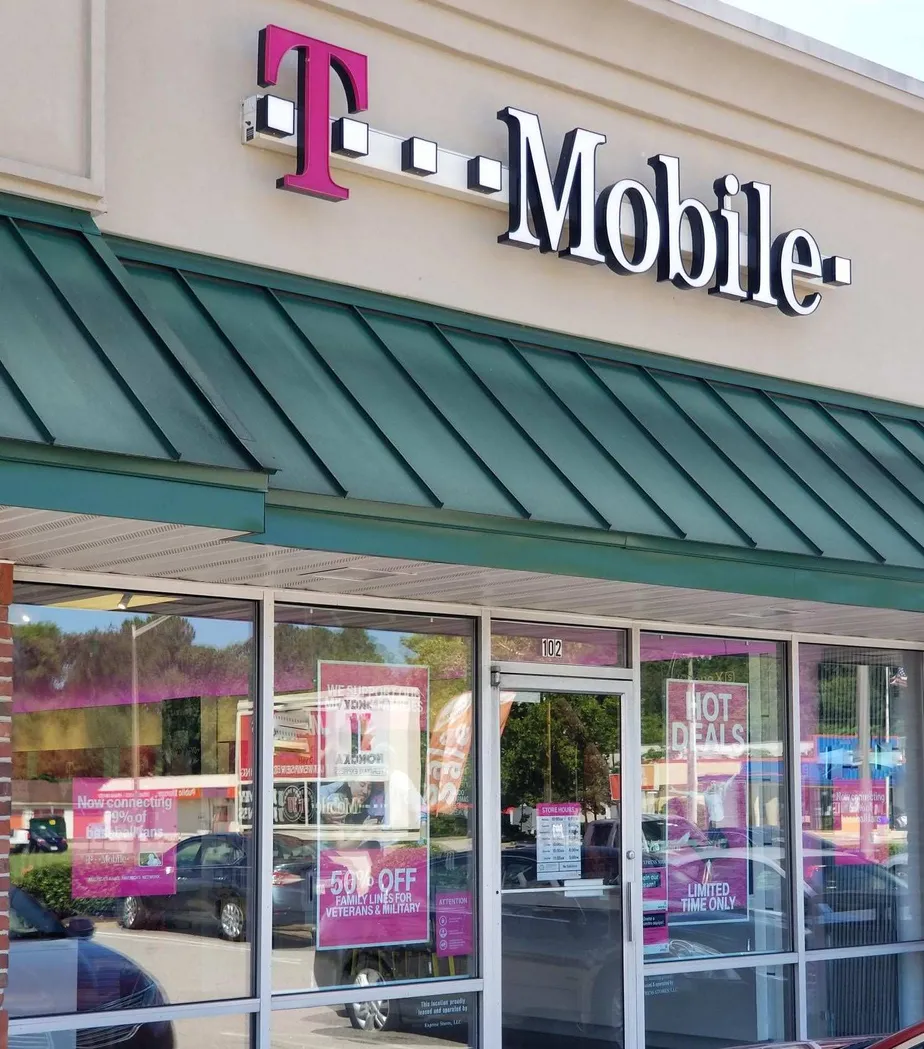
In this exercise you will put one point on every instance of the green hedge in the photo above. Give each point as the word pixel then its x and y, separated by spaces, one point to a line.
pixel 51 885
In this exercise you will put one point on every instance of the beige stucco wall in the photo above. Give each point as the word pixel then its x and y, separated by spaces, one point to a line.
pixel 845 155
pixel 52 86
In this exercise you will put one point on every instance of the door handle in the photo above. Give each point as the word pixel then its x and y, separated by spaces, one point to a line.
pixel 629 922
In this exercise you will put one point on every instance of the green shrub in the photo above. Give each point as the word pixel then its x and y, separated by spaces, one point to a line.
pixel 51 885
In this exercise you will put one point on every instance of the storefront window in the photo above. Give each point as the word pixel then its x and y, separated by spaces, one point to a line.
pixel 131 862
pixel 862 779
pixel 856 996
pixel 716 1008
pixel 443 1022
pixel 715 879
pixel 219 1032
pixel 373 798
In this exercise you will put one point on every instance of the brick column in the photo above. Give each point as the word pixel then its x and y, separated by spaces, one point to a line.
pixel 6 772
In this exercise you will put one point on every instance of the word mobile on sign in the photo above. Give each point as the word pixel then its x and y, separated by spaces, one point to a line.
pixel 628 226
pixel 598 233
pixel 706 715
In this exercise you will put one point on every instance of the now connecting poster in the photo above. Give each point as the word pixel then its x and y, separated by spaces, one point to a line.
pixel 122 838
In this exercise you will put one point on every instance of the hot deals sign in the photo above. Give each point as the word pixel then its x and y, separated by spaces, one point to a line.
pixel 706 716
pixel 707 728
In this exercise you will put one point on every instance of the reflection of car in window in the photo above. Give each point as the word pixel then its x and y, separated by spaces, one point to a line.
pixel 53 963
pixel 45 834
pixel 518 872
pixel 663 831
pixel 909 1038
pixel 599 832
pixel 212 886
pixel 897 864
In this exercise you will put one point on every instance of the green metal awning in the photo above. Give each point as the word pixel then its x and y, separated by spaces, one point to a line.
pixel 90 381
pixel 138 382
pixel 363 398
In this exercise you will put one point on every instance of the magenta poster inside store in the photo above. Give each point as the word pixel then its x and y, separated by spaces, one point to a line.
pixel 373 841
pixel 687 880
pixel 123 839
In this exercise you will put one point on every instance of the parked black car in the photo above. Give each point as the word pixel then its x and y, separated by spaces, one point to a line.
pixel 52 962
pixel 213 890
pixel 45 834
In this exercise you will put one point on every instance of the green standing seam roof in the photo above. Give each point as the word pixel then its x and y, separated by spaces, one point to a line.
pixel 365 404
pixel 410 421
pixel 85 371
pixel 83 366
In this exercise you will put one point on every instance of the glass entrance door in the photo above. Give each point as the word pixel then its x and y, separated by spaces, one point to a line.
pixel 563 856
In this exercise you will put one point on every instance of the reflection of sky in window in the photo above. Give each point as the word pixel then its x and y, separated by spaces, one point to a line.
pixel 390 643
pixel 218 633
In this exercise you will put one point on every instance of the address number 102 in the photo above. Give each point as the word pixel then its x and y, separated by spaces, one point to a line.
pixel 551 648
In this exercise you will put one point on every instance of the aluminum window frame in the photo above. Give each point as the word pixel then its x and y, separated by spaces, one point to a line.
pixel 510 676
pixel 796 844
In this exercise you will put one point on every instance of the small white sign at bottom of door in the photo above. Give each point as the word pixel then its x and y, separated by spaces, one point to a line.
pixel 558 840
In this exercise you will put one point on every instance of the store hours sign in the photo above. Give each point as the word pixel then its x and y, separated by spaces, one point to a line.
pixel 726 246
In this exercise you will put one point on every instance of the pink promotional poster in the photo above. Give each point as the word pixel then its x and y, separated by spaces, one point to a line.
pixel 860 809
pixel 122 840
pixel 373 857
pixel 713 889
pixel 373 897
pixel 655 933
pixel 866 804
pixel 706 717
pixel 454 928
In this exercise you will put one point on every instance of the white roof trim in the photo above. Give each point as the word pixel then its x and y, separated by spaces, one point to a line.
pixel 789 38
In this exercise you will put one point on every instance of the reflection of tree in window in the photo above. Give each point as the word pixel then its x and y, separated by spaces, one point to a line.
pixel 298 649
pixel 49 663
pixel 181 749
pixel 449 658
pixel 584 731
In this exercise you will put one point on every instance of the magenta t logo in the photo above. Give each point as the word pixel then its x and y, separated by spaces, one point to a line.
pixel 315 59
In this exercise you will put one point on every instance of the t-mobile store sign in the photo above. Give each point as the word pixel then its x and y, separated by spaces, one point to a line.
pixel 628 226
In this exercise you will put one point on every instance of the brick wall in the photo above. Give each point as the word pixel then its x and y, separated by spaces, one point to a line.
pixel 6 711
